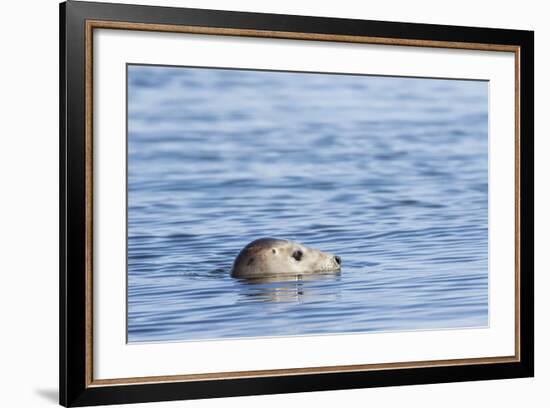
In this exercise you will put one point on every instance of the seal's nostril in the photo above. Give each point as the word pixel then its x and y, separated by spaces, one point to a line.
pixel 338 260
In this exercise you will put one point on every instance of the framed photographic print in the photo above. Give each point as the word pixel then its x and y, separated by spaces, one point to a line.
pixel 257 203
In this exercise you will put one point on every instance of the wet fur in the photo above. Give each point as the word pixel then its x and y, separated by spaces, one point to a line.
pixel 273 257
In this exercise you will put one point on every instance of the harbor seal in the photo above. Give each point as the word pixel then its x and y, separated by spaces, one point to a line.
pixel 276 257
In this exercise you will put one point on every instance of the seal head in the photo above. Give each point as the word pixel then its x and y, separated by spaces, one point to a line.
pixel 275 257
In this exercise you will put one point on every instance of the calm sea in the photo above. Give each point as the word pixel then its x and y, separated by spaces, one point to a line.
pixel 388 173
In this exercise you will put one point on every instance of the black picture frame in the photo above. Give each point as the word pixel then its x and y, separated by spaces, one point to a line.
pixel 75 386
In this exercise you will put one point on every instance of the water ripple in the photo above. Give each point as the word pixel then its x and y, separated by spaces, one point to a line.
pixel 388 173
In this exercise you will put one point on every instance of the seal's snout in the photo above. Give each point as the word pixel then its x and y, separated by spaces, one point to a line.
pixel 338 260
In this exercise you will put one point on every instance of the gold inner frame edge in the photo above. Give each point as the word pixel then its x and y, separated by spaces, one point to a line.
pixel 92 24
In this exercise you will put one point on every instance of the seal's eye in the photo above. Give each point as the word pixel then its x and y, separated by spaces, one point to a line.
pixel 297 254
pixel 273 250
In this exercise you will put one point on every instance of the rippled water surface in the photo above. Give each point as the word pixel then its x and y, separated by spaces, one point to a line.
pixel 388 173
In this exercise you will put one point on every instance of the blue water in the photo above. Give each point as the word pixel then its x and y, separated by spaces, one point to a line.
pixel 388 173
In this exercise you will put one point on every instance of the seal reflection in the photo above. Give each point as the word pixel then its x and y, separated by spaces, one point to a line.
pixel 288 288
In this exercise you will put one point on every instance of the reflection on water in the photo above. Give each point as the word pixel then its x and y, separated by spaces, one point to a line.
pixel 388 173
pixel 289 288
